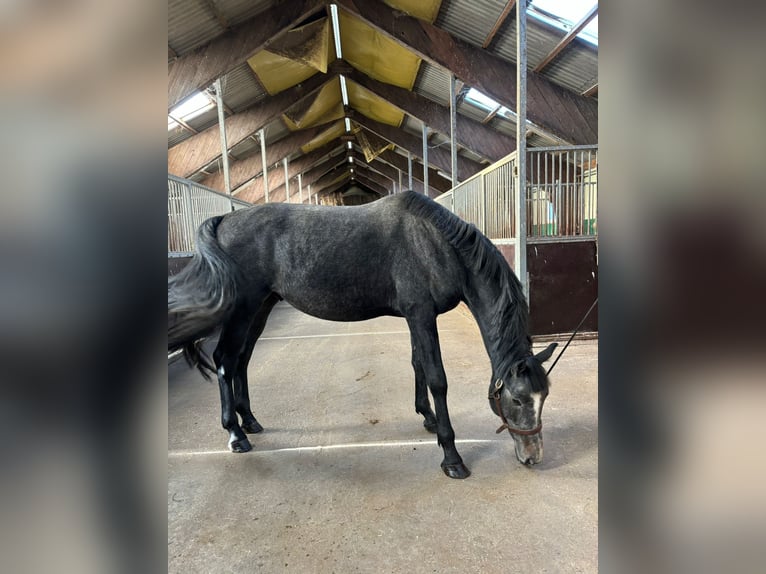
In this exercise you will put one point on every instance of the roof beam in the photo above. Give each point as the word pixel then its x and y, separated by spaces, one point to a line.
pixel 372 184
pixel 498 23
pixel 310 177
pixel 241 171
pixel 192 154
pixel 437 157
pixel 470 134
pixel 567 39
pixel 435 181
pixel 565 114
pixel 294 167
pixel 201 67
pixel 393 174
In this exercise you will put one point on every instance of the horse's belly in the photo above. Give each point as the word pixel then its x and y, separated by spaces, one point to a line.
pixel 340 306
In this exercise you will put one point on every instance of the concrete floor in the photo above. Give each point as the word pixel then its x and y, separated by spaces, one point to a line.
pixel 345 479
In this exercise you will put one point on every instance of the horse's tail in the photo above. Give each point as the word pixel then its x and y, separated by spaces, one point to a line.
pixel 201 297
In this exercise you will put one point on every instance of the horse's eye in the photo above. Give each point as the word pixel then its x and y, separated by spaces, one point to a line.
pixel 517 402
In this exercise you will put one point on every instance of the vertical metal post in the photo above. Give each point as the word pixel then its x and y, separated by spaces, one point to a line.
pixel 453 129
pixel 287 181
pixel 520 259
pixel 425 159
pixel 262 137
pixel 224 146
pixel 300 187
pixel 409 170
pixel 400 180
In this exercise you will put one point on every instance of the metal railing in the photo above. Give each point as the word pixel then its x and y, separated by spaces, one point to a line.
pixel 561 194
pixel 189 204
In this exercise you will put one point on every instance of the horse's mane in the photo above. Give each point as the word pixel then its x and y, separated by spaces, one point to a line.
pixel 509 311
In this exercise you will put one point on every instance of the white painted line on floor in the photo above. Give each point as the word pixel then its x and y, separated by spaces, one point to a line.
pixel 345 335
pixel 320 448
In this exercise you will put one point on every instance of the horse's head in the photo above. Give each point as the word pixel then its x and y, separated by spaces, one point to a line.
pixel 518 399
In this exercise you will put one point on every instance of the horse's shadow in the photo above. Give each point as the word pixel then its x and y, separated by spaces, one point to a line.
pixel 563 446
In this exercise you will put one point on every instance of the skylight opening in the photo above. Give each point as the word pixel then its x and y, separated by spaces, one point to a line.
pixel 190 108
pixel 479 100
pixel 564 14
pixel 350 145
pixel 348 125
pixel 335 29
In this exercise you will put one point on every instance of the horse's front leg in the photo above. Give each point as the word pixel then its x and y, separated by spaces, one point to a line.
pixel 425 345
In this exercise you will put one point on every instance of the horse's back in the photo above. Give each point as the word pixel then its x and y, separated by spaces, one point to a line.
pixel 344 263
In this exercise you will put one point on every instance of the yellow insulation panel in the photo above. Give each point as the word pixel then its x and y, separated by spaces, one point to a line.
pixel 373 106
pixel 294 57
pixel 376 55
pixel 277 73
pixel 326 107
pixel 423 9
pixel 333 132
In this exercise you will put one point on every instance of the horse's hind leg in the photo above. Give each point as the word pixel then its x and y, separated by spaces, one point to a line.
pixel 425 344
pixel 226 357
pixel 422 404
pixel 241 394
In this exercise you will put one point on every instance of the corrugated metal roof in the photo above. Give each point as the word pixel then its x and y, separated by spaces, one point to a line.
pixel 577 64
pixel 241 89
pixel 433 83
pixel 470 20
pixel 575 68
pixel 191 23
pixel 237 11
pixel 245 148
pixel 205 120
pixel 177 135
pixel 472 111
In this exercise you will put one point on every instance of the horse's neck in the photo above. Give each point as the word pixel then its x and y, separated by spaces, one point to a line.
pixel 489 302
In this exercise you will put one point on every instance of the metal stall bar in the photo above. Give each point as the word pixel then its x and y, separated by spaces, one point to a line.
pixel 520 252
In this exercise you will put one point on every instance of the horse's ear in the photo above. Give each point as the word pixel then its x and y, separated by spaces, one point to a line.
pixel 546 353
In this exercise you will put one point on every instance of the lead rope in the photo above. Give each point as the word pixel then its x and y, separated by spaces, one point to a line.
pixel 572 337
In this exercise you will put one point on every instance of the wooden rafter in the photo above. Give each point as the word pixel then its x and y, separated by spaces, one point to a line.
pixel 192 154
pixel 436 181
pixel 437 157
pixel 567 39
pixel 470 134
pixel 499 22
pixel 243 170
pixel 303 164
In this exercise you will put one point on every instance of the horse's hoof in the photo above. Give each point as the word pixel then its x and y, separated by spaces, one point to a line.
pixel 252 427
pixel 456 470
pixel 241 445
pixel 430 426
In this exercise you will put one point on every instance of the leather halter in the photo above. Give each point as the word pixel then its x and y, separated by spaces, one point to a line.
pixel 505 425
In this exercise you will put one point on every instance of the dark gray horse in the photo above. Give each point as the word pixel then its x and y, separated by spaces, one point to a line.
pixel 403 255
